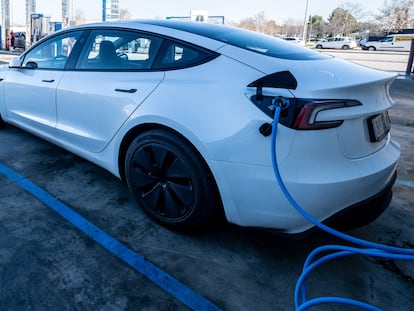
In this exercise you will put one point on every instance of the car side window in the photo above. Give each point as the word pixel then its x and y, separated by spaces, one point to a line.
pixel 118 50
pixel 179 55
pixel 52 53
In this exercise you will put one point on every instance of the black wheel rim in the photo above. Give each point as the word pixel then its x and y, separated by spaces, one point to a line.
pixel 162 182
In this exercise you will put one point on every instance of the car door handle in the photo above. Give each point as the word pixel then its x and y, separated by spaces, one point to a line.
pixel 126 91
pixel 49 81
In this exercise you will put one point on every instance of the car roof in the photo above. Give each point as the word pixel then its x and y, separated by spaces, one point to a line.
pixel 219 34
pixel 187 26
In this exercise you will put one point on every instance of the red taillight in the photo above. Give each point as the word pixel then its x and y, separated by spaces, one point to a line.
pixel 307 117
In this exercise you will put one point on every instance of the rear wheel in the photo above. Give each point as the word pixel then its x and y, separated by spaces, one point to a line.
pixel 345 47
pixel 169 180
pixel 1 123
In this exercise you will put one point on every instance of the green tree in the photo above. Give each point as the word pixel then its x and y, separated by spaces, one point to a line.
pixel 318 26
pixel 342 22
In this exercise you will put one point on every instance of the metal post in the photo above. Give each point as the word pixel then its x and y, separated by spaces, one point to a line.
pixel 103 10
pixel 5 14
pixel 410 68
pixel 305 22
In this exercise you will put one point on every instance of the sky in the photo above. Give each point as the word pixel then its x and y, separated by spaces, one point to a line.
pixel 232 10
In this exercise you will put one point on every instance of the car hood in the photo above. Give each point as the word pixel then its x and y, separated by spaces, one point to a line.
pixel 4 67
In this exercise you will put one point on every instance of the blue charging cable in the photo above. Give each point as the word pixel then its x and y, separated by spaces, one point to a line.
pixel 329 252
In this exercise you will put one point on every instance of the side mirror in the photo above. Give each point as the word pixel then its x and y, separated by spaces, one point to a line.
pixel 31 65
pixel 15 62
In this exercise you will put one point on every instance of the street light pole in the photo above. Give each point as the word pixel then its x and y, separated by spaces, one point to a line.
pixel 305 22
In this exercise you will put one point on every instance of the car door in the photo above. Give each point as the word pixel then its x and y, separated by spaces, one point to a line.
pixel 386 44
pixel 111 79
pixel 30 89
pixel 330 43
pixel 338 43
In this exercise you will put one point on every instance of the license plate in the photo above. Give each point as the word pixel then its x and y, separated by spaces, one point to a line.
pixel 379 126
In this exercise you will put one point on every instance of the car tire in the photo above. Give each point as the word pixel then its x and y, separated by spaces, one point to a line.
pixel 2 124
pixel 170 181
pixel 345 47
pixel 371 48
pixel 319 46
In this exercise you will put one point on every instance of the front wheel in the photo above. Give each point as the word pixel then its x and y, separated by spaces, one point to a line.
pixel 371 48
pixel 169 180
pixel 1 123
pixel 319 46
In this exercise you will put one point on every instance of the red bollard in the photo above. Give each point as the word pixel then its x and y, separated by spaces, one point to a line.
pixel 410 68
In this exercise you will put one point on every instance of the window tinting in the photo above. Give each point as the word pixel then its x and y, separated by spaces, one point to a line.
pixel 175 55
pixel 249 40
pixel 119 50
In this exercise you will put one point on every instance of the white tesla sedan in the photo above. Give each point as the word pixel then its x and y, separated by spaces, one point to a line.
pixel 181 111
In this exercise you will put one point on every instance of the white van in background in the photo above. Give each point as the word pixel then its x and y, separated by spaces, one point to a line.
pixel 401 42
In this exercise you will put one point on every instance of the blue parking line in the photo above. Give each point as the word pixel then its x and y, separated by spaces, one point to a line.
pixel 404 183
pixel 171 285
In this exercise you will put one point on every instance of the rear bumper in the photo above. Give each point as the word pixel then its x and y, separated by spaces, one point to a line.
pixel 336 191
pixel 354 216
pixel 364 212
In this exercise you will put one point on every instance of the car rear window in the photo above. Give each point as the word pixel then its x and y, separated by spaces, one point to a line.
pixel 245 39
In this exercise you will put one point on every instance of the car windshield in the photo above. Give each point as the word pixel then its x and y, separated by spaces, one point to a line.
pixel 249 40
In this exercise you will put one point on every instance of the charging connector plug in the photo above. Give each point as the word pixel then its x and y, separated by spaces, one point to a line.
pixel 283 103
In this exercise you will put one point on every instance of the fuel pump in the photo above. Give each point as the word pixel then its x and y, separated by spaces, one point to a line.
pixel 39 27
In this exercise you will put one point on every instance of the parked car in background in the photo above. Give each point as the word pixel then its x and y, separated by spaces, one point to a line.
pixel 19 41
pixel 184 120
pixel 363 41
pixel 400 42
pixel 294 40
pixel 336 43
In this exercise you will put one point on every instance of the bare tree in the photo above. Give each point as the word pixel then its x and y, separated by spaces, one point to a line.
pixel 247 23
pixel 124 14
pixel 355 9
pixel 292 28
pixel 79 17
pixel 260 23
pixel 396 15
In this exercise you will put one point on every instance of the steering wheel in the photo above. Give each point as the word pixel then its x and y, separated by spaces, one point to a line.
pixel 122 55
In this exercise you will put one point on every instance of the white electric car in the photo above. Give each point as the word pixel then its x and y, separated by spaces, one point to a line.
pixel 181 111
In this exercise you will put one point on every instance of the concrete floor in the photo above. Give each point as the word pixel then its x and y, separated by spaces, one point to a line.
pixel 46 263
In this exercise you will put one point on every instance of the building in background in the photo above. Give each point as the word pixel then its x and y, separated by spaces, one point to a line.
pixel 65 13
pixel 5 24
pixel 200 16
pixel 38 25
pixel 30 8
pixel 110 10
